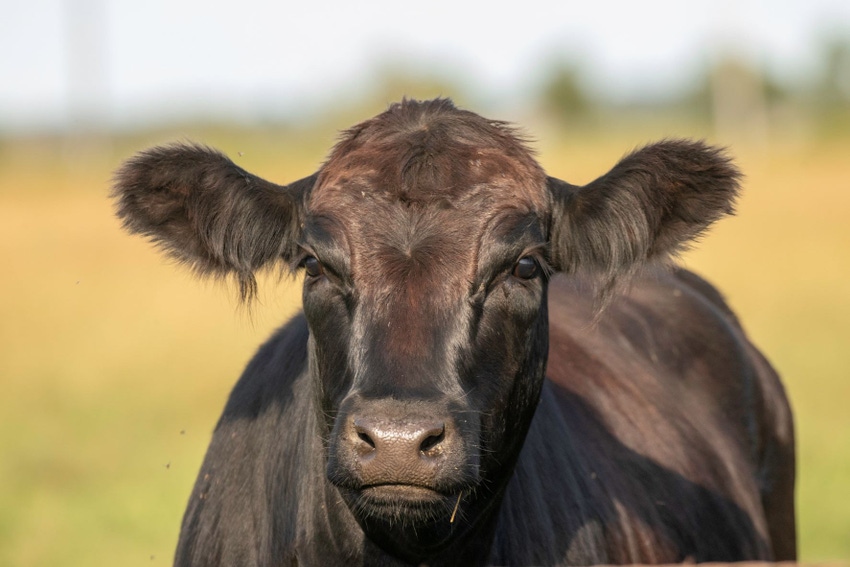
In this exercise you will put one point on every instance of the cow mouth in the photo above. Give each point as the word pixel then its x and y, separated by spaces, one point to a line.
pixel 401 493
pixel 405 503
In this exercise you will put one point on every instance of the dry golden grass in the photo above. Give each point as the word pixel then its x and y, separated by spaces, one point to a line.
pixel 114 364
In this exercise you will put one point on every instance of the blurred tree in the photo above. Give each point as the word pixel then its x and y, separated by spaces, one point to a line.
pixel 394 79
pixel 835 84
pixel 737 98
pixel 738 104
pixel 562 95
pixel 828 97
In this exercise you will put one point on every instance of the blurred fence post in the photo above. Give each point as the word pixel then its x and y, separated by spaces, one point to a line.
pixel 738 103
pixel 87 87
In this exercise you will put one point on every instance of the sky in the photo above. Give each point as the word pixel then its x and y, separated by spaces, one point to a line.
pixel 130 62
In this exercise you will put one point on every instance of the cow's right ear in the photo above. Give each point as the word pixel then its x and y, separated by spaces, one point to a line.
pixel 207 212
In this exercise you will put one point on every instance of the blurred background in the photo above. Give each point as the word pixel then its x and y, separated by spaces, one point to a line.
pixel 114 364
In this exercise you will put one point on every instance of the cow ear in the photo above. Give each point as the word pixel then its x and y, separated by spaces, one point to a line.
pixel 208 213
pixel 648 207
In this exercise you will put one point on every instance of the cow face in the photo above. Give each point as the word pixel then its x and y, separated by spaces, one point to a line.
pixel 425 252
pixel 426 240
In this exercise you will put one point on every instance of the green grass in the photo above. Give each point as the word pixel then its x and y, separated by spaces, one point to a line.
pixel 114 365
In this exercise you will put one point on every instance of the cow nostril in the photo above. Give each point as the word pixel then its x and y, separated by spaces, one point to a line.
pixel 431 442
pixel 366 439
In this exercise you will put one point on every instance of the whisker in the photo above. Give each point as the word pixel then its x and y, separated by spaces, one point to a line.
pixel 457 505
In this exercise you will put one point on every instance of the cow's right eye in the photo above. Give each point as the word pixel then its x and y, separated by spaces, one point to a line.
pixel 313 267
pixel 526 268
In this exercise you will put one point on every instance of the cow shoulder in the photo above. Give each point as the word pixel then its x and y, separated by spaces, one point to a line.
pixel 647 410
pixel 260 440
pixel 268 380
pixel 670 329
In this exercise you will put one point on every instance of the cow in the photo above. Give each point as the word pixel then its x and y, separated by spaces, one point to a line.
pixel 492 366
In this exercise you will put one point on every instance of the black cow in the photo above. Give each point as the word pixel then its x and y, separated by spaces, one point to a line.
pixel 408 416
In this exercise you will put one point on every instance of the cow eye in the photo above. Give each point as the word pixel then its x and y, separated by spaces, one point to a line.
pixel 313 267
pixel 525 269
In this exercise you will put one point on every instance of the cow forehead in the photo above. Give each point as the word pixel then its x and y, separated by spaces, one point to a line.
pixel 414 193
pixel 432 154
pixel 433 237
pixel 466 178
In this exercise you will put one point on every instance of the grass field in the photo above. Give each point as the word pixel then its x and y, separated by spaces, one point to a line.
pixel 114 365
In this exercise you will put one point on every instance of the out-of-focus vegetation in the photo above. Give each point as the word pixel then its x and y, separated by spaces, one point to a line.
pixel 115 364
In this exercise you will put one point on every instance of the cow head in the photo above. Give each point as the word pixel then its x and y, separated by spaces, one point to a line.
pixel 427 239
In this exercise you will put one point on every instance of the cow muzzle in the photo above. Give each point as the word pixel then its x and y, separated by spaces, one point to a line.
pixel 403 452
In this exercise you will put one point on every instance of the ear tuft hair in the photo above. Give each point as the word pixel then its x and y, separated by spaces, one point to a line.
pixel 207 212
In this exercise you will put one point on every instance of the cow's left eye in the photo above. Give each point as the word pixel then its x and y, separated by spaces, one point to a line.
pixel 313 267
pixel 526 268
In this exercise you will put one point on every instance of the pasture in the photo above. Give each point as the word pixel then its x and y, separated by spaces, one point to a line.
pixel 114 364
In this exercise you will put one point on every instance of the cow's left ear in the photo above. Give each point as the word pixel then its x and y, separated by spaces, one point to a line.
pixel 207 212
pixel 649 206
